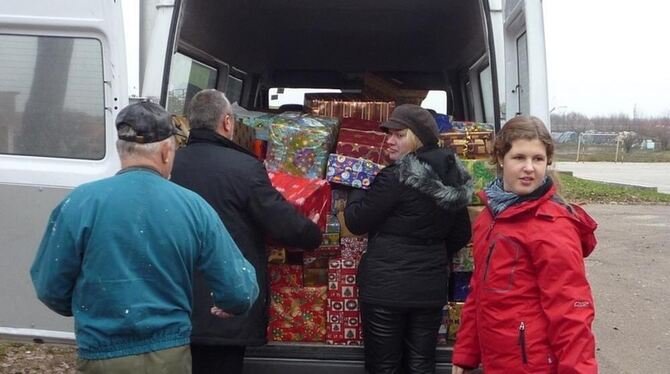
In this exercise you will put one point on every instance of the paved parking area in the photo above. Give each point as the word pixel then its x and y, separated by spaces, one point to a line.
pixel 632 173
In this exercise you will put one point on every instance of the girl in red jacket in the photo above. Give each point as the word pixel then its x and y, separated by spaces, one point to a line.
pixel 530 308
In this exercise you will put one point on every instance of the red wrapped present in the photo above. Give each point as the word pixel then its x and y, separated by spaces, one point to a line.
pixel 298 314
pixel 344 105
pixel 342 312
pixel 353 247
pixel 359 124
pixel 310 196
pixel 370 145
pixel 285 275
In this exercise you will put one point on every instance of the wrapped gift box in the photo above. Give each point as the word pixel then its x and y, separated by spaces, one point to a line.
pixel 333 225
pixel 353 247
pixel 443 331
pixel 360 124
pixel 343 317
pixel 339 202
pixel 482 173
pixel 348 106
pixel 349 171
pixel 315 265
pixel 459 285
pixel 463 260
pixel 331 239
pixel 455 309
pixel 344 230
pixel 299 144
pixel 285 276
pixel 298 314
pixel 309 196
pixel 370 145
pixel 469 145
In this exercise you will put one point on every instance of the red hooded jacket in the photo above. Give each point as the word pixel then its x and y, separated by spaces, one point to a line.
pixel 530 307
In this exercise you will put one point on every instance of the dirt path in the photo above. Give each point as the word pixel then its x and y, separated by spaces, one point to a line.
pixel 629 274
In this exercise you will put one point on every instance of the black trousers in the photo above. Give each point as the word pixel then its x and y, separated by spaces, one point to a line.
pixel 400 340
pixel 217 359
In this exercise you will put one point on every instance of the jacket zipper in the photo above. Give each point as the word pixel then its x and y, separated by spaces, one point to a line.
pixel 522 342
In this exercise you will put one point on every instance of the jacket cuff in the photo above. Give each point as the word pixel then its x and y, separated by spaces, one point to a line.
pixel 466 361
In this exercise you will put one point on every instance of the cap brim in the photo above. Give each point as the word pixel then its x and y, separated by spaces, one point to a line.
pixel 392 125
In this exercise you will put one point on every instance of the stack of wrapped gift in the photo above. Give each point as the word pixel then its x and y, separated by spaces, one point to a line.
pixel 298 314
pixel 442 332
pixel 310 196
pixel 343 317
pixel 344 105
pixel 299 144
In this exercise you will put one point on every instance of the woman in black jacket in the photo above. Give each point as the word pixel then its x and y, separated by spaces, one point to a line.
pixel 415 216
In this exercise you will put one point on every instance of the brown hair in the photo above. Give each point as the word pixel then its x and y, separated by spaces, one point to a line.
pixel 527 128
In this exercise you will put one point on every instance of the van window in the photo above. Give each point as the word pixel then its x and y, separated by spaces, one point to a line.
pixel 286 96
pixel 436 100
pixel 51 97
pixel 187 77
pixel 486 89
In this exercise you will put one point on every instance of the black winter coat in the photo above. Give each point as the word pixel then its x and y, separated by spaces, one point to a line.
pixel 237 186
pixel 415 215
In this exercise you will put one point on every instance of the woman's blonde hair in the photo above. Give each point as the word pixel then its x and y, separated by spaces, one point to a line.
pixel 414 140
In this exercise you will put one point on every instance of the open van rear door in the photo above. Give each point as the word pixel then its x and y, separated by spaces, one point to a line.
pixel 525 60
pixel 62 82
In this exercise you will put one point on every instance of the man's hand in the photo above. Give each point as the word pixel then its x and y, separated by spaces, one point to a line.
pixel 219 312
pixel 458 370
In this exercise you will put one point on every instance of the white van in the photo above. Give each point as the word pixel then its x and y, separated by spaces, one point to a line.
pixel 63 79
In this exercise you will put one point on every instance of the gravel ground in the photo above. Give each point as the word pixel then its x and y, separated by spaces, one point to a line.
pixel 24 358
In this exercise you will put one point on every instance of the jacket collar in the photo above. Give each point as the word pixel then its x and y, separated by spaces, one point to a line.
pixel 551 207
pixel 208 136
pixel 417 172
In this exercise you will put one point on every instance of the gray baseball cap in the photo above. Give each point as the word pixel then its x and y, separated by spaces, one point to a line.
pixel 150 122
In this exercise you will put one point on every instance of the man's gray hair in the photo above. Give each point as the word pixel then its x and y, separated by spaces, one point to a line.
pixel 207 108
pixel 128 149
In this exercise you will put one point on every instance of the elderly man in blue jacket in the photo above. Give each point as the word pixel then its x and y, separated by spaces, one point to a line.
pixel 119 255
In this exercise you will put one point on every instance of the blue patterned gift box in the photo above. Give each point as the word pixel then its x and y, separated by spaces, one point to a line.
pixel 350 171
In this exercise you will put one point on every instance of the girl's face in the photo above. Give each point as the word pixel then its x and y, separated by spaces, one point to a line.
pixel 524 166
pixel 399 144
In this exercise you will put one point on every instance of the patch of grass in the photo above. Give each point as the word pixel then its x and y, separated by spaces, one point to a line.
pixel 581 190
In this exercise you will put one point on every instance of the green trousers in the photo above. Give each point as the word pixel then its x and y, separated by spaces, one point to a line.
pixel 168 361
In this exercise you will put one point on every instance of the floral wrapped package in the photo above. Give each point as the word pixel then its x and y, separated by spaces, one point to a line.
pixel 299 144
pixel 298 314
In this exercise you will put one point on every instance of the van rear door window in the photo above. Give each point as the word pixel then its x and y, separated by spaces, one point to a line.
pixel 187 77
pixel 51 97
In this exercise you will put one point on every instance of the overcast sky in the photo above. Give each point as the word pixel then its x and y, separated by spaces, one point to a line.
pixel 608 56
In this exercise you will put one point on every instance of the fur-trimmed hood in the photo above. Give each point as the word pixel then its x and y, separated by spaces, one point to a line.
pixel 437 173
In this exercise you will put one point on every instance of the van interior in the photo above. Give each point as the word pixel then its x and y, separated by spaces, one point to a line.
pixel 249 47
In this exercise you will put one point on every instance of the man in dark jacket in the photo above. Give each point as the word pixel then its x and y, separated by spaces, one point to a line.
pixel 236 184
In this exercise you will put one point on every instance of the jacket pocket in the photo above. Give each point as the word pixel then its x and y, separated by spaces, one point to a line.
pixel 501 263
